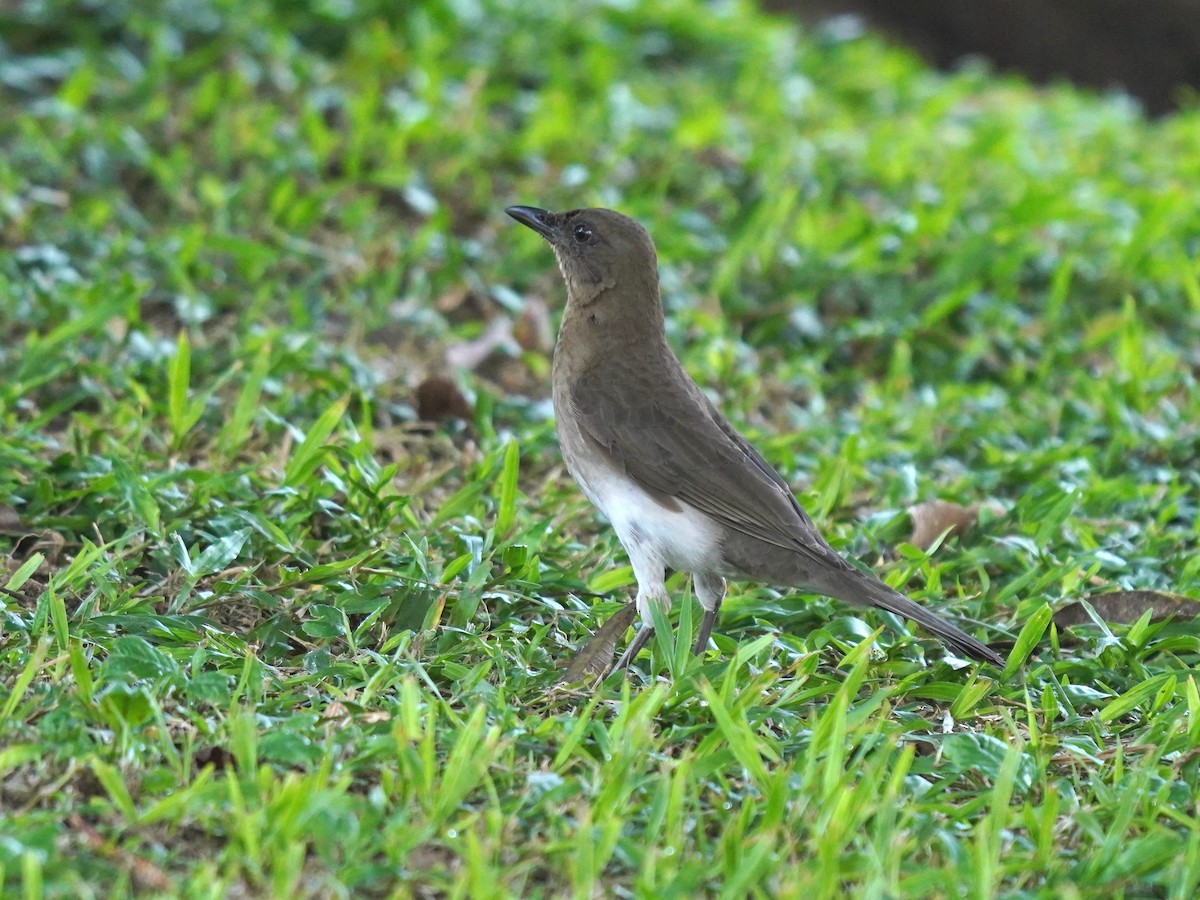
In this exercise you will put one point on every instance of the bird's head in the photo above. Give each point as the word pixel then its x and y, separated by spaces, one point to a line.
pixel 597 250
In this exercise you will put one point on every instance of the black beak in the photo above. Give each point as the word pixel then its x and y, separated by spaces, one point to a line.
pixel 537 219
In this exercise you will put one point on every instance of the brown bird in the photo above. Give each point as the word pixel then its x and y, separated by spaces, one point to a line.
pixel 681 487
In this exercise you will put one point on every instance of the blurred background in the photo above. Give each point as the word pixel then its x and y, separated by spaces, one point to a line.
pixel 289 555
pixel 1150 50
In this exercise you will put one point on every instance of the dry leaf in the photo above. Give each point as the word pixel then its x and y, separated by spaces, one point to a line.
pixel 217 757
pixel 10 520
pixel 533 331
pixel 145 875
pixel 336 710
pixel 49 543
pixel 932 518
pixel 461 304
pixel 337 713
pixel 1126 607
pixel 595 659
pixel 438 398
pixel 497 337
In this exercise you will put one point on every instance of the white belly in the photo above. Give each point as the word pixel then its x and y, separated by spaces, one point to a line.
pixel 683 539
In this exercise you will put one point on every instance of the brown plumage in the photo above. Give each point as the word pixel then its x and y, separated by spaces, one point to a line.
pixel 682 488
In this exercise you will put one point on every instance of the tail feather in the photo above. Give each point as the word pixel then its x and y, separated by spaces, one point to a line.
pixel 865 589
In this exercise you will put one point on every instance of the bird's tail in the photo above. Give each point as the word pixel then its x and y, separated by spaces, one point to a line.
pixel 865 589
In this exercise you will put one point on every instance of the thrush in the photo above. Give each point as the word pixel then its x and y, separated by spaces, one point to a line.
pixel 682 488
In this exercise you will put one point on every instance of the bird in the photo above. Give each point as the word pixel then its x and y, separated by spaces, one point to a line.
pixel 682 488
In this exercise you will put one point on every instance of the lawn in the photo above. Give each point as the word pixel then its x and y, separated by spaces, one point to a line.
pixel 291 562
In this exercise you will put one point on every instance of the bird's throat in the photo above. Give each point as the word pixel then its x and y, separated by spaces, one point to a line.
pixel 606 329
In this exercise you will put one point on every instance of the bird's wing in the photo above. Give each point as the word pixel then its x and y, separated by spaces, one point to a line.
pixel 666 435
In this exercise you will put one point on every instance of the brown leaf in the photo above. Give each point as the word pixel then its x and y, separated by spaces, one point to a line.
pixel 49 543
pixel 461 304
pixel 533 331
pixel 145 874
pixel 932 518
pixel 497 337
pixel 439 398
pixel 336 710
pixel 338 714
pixel 595 659
pixel 217 757
pixel 10 521
pixel 1126 607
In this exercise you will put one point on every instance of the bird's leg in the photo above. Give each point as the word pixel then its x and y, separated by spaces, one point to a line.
pixel 706 627
pixel 710 590
pixel 635 646
pixel 650 574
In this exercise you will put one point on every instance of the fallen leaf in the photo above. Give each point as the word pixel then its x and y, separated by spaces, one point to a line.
pixel 337 713
pixel 932 518
pixel 217 757
pixel 336 710
pixel 595 659
pixel 1126 607
pixel 497 337
pixel 160 315
pixel 145 875
pixel 533 331
pixel 438 398
pixel 460 304
pixel 49 543
pixel 10 521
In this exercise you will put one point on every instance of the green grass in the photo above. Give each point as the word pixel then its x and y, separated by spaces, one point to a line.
pixel 265 635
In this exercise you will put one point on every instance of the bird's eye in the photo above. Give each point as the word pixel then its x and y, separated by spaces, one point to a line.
pixel 582 234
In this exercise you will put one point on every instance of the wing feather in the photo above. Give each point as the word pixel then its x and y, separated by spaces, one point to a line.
pixel 667 436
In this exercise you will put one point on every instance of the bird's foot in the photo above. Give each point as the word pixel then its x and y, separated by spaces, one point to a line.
pixel 635 646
